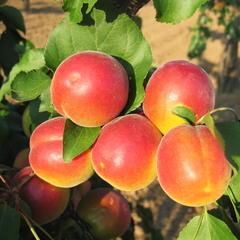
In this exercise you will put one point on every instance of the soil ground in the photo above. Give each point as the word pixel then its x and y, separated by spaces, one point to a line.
pixel 168 42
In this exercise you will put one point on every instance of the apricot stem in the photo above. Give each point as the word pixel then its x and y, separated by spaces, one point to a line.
pixel 4 181
pixel 226 109
pixel 40 228
pixel 29 225
pixel 219 110
pixel 25 180
pixel 29 220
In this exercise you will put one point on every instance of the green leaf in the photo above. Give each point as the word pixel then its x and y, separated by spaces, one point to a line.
pixel 208 120
pixel 23 47
pixel 77 139
pixel 234 190
pixel 46 104
pixel 28 86
pixel 230 132
pixel 185 113
pixel 12 18
pixel 9 223
pixel 233 194
pixel 32 59
pixel 174 11
pixel 36 115
pixel 75 8
pixel 206 227
pixel 120 38
pixel 32 116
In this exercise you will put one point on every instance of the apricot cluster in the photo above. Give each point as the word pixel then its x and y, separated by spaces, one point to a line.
pixel 191 166
pixel 91 89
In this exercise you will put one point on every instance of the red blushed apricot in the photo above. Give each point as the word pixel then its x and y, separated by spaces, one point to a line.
pixel 124 154
pixel 51 130
pixel 177 83
pixel 46 201
pixel 95 87
pixel 106 211
pixel 47 162
pixel 46 156
pixel 192 167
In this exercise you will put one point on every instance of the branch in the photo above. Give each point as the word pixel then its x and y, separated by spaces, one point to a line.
pixel 132 6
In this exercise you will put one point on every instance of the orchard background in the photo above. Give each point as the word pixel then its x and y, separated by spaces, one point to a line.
pixel 168 42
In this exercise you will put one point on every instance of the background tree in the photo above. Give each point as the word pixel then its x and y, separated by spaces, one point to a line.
pixel 228 16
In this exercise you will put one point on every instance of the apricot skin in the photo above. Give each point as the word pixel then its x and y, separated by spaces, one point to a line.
pixel 192 167
pixel 177 83
pixel 46 159
pixel 106 211
pixel 46 201
pixel 124 155
pixel 95 87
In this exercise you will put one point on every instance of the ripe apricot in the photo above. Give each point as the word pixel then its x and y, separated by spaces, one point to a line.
pixel 95 87
pixel 177 83
pixel 46 201
pixel 192 167
pixel 46 156
pixel 124 154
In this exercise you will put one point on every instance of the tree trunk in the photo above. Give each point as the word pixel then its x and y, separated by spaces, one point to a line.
pixel 228 67
pixel 26 4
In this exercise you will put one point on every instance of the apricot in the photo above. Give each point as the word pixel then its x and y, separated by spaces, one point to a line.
pixel 192 168
pixel 95 87
pixel 46 201
pixel 124 154
pixel 21 160
pixel 46 156
pixel 177 83
pixel 106 211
